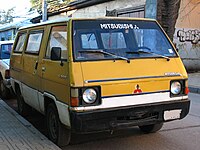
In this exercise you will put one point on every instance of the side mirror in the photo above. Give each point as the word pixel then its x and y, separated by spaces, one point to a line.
pixel 55 53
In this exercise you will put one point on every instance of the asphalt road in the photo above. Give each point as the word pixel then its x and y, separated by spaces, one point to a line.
pixel 177 135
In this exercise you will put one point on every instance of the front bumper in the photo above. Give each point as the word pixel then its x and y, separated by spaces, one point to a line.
pixel 123 117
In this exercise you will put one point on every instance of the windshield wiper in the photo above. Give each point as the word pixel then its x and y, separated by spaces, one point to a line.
pixel 106 53
pixel 141 51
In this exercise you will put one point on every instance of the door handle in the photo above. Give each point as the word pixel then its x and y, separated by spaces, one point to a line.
pixel 36 65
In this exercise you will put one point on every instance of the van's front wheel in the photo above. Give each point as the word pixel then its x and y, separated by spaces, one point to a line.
pixel 151 128
pixel 56 130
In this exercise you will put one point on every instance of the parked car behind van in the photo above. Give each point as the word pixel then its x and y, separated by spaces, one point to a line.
pixel 5 50
pixel 92 75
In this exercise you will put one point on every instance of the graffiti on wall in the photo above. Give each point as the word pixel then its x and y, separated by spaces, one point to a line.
pixel 192 36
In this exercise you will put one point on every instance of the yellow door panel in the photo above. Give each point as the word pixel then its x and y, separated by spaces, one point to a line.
pixel 30 71
pixel 16 62
pixel 55 79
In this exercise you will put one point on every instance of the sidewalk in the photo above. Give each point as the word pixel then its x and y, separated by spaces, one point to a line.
pixel 18 134
pixel 194 82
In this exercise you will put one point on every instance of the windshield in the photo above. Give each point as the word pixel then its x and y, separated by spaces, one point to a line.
pixel 5 51
pixel 119 39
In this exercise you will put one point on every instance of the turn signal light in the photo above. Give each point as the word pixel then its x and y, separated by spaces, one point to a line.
pixel 74 101
pixel 187 90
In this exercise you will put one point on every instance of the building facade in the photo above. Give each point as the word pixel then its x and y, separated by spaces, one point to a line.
pixel 187 34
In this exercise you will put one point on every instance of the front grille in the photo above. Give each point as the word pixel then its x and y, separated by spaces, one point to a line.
pixel 139 116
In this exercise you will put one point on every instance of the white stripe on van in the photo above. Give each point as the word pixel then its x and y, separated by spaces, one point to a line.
pixel 113 102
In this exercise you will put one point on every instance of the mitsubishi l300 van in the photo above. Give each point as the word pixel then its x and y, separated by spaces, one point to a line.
pixel 100 74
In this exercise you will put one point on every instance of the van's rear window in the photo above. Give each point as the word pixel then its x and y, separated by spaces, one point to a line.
pixel 108 39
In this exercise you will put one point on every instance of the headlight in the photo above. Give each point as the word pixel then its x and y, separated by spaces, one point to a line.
pixel 175 87
pixel 89 96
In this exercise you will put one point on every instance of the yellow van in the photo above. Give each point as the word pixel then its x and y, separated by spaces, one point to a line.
pixel 100 74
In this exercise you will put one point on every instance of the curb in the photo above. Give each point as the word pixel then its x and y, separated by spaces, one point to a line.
pixel 194 89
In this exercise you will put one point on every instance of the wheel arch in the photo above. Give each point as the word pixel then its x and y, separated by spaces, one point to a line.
pixel 62 109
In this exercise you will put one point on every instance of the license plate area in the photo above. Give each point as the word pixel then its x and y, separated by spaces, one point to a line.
pixel 172 114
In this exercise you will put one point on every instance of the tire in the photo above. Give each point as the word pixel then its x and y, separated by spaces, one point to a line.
pixel 56 130
pixel 4 90
pixel 151 128
pixel 23 108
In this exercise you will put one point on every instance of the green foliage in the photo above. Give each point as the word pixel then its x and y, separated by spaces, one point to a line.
pixel 37 4
pixel 6 16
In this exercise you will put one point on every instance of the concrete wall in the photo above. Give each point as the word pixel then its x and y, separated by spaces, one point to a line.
pixel 187 34
pixel 100 9
pixel 62 15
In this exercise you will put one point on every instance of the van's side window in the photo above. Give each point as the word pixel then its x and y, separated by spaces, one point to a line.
pixel 20 43
pixel 34 42
pixel 58 38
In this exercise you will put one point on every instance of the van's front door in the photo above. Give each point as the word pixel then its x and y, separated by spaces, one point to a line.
pixel 54 73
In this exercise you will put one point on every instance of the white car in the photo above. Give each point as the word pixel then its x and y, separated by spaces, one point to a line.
pixel 5 86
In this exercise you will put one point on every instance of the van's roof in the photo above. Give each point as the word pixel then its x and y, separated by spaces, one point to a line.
pixel 7 42
pixel 46 23
pixel 62 20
